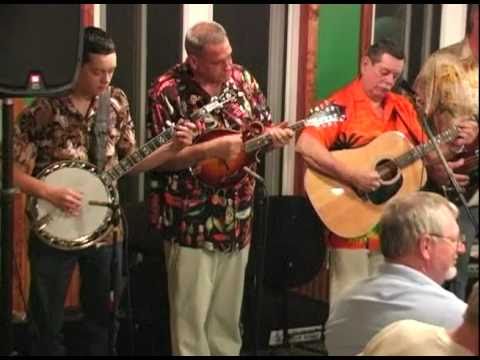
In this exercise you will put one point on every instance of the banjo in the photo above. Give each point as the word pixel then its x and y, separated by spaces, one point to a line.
pixel 67 232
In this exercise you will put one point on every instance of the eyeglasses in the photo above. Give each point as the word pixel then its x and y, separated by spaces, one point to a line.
pixel 455 241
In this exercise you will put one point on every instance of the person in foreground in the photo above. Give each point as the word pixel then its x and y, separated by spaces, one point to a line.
pixel 414 338
pixel 59 128
pixel 208 228
pixel 421 241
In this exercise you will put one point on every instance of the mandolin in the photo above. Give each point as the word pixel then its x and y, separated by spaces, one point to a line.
pixel 217 172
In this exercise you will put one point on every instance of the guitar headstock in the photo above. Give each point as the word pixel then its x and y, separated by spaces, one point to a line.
pixel 325 115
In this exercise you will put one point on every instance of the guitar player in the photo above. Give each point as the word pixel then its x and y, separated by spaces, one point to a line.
pixel 447 87
pixel 372 109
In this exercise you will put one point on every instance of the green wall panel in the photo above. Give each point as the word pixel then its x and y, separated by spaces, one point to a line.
pixel 338 44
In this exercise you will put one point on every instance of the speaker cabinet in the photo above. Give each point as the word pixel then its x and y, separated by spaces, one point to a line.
pixel 294 253
pixel 41 48
pixel 295 250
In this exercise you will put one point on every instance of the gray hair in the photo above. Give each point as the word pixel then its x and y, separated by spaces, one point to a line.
pixel 203 33
pixel 471 314
pixel 408 217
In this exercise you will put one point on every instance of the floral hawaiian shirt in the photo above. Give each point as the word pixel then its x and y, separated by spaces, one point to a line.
pixel 52 129
pixel 185 209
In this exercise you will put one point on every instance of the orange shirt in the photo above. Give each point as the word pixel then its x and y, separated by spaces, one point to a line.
pixel 361 126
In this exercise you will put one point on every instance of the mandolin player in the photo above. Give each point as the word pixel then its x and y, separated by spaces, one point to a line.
pixel 207 229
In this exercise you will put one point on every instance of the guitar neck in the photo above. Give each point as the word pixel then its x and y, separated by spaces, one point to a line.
pixel 420 151
pixel 265 140
pixel 134 158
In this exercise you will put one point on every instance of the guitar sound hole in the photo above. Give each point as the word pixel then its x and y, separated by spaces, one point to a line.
pixel 388 171
pixel 392 181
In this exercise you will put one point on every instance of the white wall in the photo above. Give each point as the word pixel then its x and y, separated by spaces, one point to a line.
pixel 452 28
pixel 192 14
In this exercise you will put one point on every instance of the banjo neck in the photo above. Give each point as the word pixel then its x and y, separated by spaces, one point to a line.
pixel 124 165
pixel 128 162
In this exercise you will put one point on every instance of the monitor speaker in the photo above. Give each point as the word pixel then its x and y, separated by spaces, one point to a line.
pixel 41 48
pixel 295 248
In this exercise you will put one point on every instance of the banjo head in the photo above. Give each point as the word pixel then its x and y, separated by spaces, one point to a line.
pixel 68 232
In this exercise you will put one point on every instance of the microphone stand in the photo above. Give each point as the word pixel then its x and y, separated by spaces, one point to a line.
pixel 7 197
pixel 260 224
pixel 443 160
pixel 112 334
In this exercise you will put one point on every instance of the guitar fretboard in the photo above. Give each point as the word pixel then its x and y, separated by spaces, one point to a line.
pixel 134 158
pixel 420 151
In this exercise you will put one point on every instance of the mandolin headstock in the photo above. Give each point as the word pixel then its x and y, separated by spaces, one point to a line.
pixel 325 114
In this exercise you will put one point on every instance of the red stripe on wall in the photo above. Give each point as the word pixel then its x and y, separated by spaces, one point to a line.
pixel 366 28
pixel 87 14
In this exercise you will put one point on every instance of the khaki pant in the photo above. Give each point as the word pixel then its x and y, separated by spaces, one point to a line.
pixel 205 292
pixel 350 266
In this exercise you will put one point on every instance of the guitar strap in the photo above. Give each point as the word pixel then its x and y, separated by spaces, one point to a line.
pixel 98 135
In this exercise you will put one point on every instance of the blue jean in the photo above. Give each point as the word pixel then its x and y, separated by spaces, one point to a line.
pixel 51 270
pixel 459 285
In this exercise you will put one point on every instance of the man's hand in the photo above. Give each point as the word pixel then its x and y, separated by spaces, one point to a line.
pixel 184 134
pixel 467 132
pixel 365 181
pixel 65 199
pixel 438 173
pixel 280 134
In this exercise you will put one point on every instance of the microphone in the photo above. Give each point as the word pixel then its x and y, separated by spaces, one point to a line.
pixel 403 84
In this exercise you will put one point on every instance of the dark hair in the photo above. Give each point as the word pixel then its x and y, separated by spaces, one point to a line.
pixel 472 8
pixel 384 46
pixel 96 41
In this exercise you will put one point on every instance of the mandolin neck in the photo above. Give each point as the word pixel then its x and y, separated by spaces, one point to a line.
pixel 265 140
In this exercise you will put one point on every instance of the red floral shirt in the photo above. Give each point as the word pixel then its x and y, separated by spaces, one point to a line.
pixel 187 210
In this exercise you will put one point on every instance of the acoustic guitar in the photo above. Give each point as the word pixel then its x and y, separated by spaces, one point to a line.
pixel 217 172
pixel 349 213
